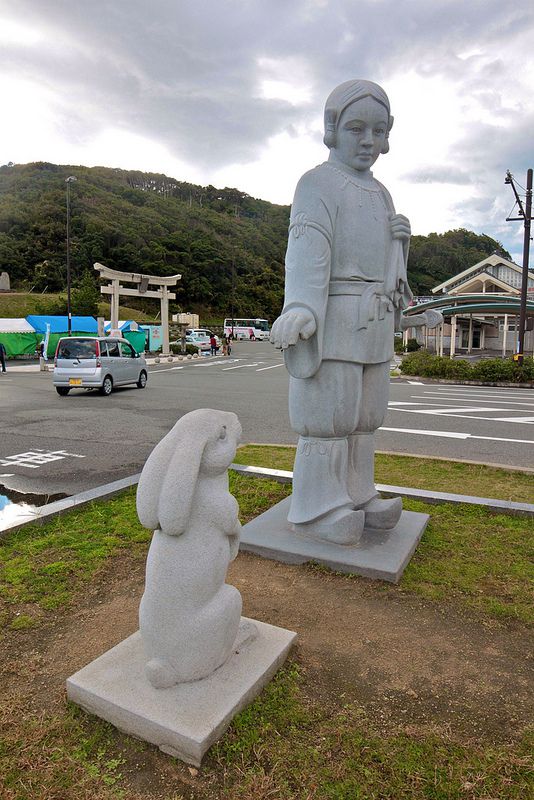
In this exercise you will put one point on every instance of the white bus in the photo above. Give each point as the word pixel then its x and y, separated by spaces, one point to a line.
pixel 247 328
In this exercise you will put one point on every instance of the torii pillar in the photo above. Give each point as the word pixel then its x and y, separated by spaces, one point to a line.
pixel 140 289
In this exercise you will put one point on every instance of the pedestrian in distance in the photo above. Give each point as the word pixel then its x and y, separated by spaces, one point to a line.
pixel 225 344
pixel 3 354
pixel 213 345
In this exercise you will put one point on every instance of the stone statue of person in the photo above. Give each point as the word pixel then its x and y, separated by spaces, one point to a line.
pixel 346 286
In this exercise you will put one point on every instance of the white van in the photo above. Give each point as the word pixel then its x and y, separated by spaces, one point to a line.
pixel 89 362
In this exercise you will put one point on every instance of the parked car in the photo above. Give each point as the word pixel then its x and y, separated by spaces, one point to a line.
pixel 203 333
pixel 89 362
pixel 202 342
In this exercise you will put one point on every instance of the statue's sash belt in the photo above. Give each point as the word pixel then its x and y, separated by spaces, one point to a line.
pixel 373 300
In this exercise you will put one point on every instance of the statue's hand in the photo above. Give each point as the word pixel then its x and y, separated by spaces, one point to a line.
pixel 400 227
pixel 298 322
pixel 433 318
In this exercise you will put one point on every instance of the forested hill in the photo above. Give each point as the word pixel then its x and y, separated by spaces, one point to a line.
pixel 145 222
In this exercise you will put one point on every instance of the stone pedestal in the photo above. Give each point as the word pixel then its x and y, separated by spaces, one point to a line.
pixel 379 554
pixel 186 719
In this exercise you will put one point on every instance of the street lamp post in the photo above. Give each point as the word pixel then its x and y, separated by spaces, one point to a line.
pixel 68 181
pixel 525 215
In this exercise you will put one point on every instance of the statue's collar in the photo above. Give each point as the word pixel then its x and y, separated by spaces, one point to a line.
pixel 351 176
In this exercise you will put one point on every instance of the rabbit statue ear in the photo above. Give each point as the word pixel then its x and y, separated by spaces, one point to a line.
pixel 170 475
pixel 150 482
pixel 179 483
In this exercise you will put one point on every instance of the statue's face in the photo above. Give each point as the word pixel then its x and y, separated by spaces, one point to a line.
pixel 361 134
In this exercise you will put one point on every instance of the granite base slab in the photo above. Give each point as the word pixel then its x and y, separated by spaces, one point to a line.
pixel 379 554
pixel 186 719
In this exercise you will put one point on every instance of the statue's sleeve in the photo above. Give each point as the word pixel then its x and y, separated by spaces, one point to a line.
pixel 396 283
pixel 308 261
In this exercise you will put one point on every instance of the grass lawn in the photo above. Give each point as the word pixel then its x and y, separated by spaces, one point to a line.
pixel 418 473
pixel 290 744
pixel 481 560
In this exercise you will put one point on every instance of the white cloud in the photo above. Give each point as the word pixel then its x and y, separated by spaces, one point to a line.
pixel 232 93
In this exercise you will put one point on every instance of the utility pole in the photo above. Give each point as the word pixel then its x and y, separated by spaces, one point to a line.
pixel 525 215
pixel 232 299
pixel 68 181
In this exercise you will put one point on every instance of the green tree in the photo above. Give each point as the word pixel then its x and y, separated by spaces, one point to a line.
pixel 86 297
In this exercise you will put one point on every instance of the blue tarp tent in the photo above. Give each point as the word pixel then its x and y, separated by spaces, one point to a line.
pixel 61 324
pixel 124 325
pixel 59 327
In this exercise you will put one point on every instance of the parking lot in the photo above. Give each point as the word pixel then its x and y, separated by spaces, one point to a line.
pixel 52 444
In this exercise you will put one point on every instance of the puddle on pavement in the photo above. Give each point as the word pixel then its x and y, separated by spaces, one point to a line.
pixel 15 505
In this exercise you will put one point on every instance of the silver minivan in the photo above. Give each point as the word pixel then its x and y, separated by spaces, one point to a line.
pixel 89 362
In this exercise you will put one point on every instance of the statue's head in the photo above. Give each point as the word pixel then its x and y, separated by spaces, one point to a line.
pixel 357 123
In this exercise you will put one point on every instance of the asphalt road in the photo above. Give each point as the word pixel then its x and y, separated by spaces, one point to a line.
pixel 51 444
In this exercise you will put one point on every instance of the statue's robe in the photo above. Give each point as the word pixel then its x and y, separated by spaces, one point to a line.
pixel 343 265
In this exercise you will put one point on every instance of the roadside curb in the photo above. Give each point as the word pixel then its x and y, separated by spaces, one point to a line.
pixel 420 456
pixel 59 507
pixel 459 382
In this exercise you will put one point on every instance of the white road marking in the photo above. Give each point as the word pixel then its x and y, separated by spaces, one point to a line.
pixel 33 459
pixel 168 369
pixel 7 475
pixel 240 366
pixel 526 420
pixel 445 434
pixel 454 435
pixel 485 399
pixel 479 396
pixel 404 403
pixel 416 383
pixel 451 411
pixel 273 367
pixel 445 413
pixel 213 363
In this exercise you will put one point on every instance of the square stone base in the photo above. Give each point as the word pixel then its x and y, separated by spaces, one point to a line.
pixel 378 554
pixel 188 718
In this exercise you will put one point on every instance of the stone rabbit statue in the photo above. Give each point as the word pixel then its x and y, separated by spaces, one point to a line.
pixel 189 617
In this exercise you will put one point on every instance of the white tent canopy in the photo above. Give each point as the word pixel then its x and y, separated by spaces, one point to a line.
pixel 20 325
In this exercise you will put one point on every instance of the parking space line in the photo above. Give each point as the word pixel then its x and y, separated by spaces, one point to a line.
pixel 526 420
pixel 455 435
pixel 447 413
pixel 213 363
pixel 272 367
pixel 240 366
pixel 485 399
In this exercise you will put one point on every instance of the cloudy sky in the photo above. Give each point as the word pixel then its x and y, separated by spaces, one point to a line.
pixel 231 92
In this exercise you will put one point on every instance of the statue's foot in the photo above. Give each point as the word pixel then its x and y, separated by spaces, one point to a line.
pixel 160 674
pixel 340 527
pixel 381 514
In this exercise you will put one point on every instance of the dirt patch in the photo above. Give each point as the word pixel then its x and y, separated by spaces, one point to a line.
pixel 411 665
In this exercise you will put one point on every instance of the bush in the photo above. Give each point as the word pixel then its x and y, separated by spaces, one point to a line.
pixel 491 370
pixel 190 349
pixel 411 346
